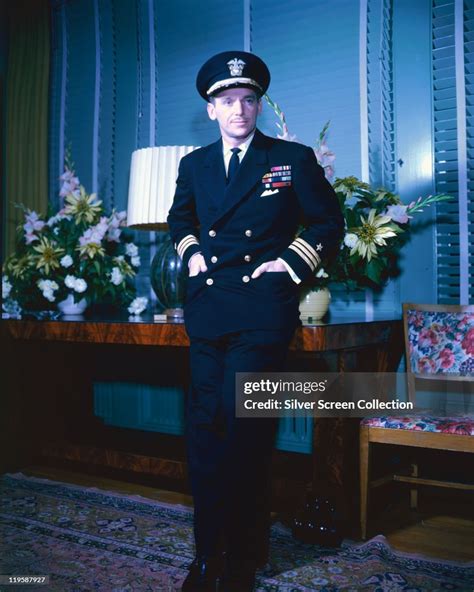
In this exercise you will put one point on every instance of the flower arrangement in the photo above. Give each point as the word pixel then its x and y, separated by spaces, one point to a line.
pixel 377 223
pixel 79 251
pixel 377 227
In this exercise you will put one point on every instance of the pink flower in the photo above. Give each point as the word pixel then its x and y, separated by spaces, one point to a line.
pixel 30 237
pixel 463 322
pixel 32 224
pixel 286 134
pixel 427 338
pixel 70 183
pixel 416 318
pixel 116 221
pixel 468 342
pixel 325 158
pixel 95 234
pixel 398 213
pixel 426 365
pixel 113 235
pixel 329 172
pixel 446 357
pixel 58 217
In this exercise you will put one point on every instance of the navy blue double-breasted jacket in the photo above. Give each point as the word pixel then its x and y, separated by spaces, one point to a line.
pixel 254 219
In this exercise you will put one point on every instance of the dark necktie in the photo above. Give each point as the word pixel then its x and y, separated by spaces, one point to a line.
pixel 233 164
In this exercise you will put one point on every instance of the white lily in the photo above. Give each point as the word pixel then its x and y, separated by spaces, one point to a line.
pixel 371 234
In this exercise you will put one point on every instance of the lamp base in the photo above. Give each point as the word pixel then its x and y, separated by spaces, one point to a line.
pixel 168 279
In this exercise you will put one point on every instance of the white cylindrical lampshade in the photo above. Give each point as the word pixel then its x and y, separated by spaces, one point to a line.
pixel 153 176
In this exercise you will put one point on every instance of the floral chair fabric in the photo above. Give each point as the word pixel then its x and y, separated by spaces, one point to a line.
pixel 462 425
pixel 441 342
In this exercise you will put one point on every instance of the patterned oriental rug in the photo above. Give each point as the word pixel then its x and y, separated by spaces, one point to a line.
pixel 87 539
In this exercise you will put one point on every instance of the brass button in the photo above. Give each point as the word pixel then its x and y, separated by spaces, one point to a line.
pixel 209 281
pixel 213 259
pixel 246 279
pixel 248 258
pixel 248 233
pixel 212 233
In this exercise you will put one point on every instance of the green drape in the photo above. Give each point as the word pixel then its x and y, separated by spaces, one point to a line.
pixel 27 85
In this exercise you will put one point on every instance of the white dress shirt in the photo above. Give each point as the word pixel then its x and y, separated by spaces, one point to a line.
pixel 227 150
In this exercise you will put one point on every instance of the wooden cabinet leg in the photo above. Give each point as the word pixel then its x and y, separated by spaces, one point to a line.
pixel 364 479
pixel 414 487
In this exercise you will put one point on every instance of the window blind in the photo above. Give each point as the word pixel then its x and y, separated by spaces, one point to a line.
pixel 469 88
pixel 381 124
pixel 380 94
pixel 312 50
pixel 187 34
pixel 451 229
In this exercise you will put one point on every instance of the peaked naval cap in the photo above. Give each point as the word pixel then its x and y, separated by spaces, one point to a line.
pixel 232 69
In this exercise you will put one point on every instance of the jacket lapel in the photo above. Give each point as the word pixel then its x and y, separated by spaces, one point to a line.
pixel 250 172
pixel 213 173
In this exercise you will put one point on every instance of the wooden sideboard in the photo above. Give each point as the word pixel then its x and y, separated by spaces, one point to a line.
pixel 49 367
pixel 340 334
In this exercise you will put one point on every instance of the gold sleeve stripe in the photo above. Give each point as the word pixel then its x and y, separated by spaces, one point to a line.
pixel 183 244
pixel 186 242
pixel 303 256
pixel 309 250
pixel 182 247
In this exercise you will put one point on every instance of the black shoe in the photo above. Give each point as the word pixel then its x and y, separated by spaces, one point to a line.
pixel 203 576
pixel 239 576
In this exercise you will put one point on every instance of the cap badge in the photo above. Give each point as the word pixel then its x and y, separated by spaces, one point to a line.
pixel 236 67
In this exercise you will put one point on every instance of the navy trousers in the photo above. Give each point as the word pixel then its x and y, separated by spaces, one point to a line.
pixel 228 457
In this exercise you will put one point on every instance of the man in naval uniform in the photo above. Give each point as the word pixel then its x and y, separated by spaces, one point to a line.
pixel 234 219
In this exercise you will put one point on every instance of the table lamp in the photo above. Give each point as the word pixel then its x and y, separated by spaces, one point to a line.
pixel 153 176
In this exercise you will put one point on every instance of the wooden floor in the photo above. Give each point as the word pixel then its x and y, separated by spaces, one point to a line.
pixel 85 480
pixel 435 533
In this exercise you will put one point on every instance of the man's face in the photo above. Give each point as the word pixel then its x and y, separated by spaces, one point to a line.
pixel 235 110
